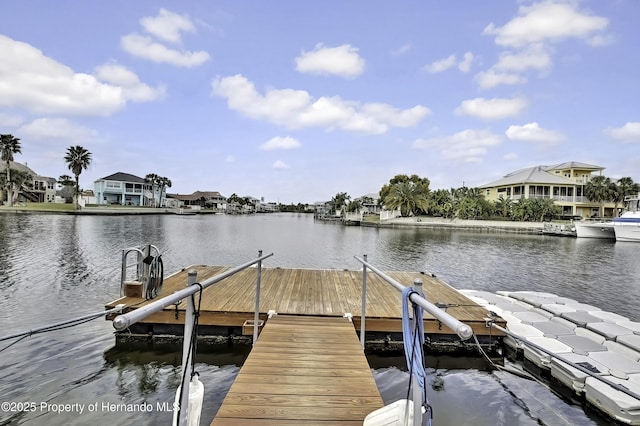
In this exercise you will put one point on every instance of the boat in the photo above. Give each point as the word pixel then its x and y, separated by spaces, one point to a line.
pixel 627 226
pixel 588 229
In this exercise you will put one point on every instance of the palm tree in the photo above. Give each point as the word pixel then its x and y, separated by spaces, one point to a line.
pixel 339 201
pixel 152 179
pixel 623 188
pixel 598 190
pixel 408 197
pixel 77 159
pixel 163 182
pixel 9 145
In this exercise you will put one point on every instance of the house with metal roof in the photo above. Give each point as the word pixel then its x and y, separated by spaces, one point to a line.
pixel 199 199
pixel 563 183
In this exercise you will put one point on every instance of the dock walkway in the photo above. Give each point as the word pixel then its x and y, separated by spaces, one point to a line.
pixel 302 371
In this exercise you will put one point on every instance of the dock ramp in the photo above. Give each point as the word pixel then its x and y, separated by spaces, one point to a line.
pixel 303 370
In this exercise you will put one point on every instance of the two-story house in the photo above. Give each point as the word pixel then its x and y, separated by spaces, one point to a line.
pixel 127 190
pixel 563 183
pixel 39 189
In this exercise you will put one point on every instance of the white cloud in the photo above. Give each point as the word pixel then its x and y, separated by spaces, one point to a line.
pixel 449 62
pixel 532 132
pixel 467 146
pixel 535 57
pixel 132 88
pixel 491 78
pixel 441 65
pixel 492 109
pixel 144 47
pixel 298 109
pixel 279 164
pixel 343 61
pixel 57 128
pixel 34 82
pixel 168 25
pixel 630 132
pixel 280 142
pixel 465 64
pixel 547 21
pixel 511 65
pixel 230 159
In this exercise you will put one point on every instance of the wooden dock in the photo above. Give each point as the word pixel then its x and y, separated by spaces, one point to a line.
pixel 304 292
pixel 302 371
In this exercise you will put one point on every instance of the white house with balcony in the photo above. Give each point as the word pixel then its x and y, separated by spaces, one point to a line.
pixel 563 183
pixel 127 190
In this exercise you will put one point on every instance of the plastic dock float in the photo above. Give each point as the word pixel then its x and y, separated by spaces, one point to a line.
pixel 303 370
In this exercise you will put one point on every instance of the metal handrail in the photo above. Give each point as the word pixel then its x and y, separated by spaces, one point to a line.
pixel 462 330
pixel 121 322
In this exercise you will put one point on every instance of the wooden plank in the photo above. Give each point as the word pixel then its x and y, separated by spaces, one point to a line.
pixel 305 292
pixel 323 379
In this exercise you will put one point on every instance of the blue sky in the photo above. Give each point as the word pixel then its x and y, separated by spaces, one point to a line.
pixel 295 101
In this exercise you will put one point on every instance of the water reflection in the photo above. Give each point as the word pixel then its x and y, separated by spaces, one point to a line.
pixel 55 267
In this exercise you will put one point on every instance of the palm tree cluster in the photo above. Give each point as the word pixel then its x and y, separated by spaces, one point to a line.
pixel 411 195
pixel 339 202
pixel 159 182
pixel 601 189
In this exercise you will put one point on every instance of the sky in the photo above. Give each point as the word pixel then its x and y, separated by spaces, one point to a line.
pixel 295 101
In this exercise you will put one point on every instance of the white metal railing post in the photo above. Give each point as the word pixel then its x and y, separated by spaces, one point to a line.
pixel 256 314
pixel 417 402
pixel 363 313
pixel 462 330
pixel 417 394
pixel 186 350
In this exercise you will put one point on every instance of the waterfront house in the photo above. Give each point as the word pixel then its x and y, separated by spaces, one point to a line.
pixel 40 189
pixel 199 200
pixel 370 203
pixel 127 190
pixel 563 183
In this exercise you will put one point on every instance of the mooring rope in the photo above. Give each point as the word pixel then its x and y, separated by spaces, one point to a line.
pixel 413 340
pixel 58 326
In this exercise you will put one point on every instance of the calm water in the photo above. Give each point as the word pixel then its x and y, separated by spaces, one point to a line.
pixel 55 267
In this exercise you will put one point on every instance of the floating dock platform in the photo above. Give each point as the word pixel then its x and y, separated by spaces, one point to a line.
pixel 227 307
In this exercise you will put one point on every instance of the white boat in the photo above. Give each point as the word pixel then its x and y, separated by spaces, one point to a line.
pixel 627 226
pixel 586 229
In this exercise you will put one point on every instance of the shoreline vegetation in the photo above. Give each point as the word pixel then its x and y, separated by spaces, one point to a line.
pixel 370 221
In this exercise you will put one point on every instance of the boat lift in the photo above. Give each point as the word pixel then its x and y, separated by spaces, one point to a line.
pixel 149 270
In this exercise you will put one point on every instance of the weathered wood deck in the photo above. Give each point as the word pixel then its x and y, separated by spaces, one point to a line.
pixel 308 292
pixel 302 371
